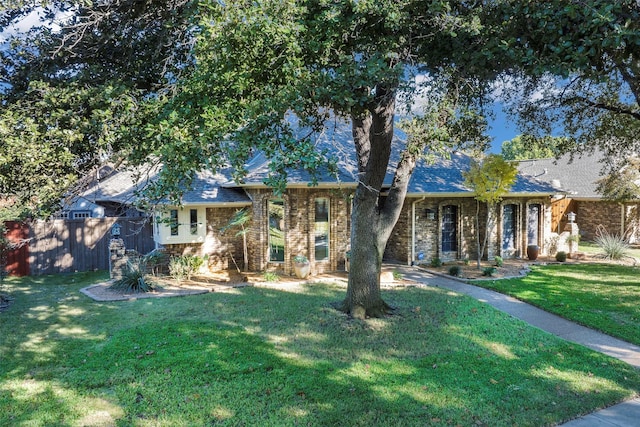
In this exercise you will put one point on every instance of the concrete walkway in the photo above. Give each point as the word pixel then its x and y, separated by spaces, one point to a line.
pixel 626 414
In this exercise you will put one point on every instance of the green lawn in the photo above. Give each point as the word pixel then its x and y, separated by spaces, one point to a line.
pixel 593 249
pixel 258 356
pixel 603 297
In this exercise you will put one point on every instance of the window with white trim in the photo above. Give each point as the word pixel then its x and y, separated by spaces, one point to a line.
pixel 275 210
pixel 321 229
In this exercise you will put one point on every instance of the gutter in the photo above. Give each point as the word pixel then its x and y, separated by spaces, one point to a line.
pixel 413 230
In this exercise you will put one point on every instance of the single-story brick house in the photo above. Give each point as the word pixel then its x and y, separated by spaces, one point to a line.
pixel 578 180
pixel 437 219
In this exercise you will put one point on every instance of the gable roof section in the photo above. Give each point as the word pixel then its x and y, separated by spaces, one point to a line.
pixel 439 178
pixel 122 186
pixel 577 178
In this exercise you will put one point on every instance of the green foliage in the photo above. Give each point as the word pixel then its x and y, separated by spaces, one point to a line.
pixel 435 262
pixel 300 259
pixel 455 270
pixel 397 275
pixel 185 266
pixel 155 261
pixel 561 256
pixel 499 261
pixel 491 179
pixel 615 247
pixel 524 147
pixel 239 220
pixel 134 278
pixel 584 81
pixel 270 276
pixel 488 271
pixel 621 183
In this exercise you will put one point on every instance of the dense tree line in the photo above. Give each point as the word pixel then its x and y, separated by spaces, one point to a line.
pixel 199 84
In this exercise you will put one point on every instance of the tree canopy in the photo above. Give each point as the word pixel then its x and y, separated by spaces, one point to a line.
pixel 202 84
pixel 580 61
pixel 524 147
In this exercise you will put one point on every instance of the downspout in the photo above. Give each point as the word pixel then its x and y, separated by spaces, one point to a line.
pixel 413 230
pixel 622 218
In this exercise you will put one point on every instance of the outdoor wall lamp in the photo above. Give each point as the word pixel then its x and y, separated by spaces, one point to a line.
pixel 115 230
pixel 571 216
pixel 430 214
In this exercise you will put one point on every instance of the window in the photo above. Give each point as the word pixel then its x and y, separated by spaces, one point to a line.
pixel 449 228
pixel 321 229
pixel 81 214
pixel 193 221
pixel 173 222
pixel 509 225
pixel 275 210
pixel 533 223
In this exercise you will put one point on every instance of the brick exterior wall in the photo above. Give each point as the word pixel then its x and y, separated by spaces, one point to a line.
pixel 616 218
pixel 299 221
pixel 218 247
pixel 428 232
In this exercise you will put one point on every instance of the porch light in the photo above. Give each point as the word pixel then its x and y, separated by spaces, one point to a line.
pixel 430 214
pixel 571 216
pixel 115 230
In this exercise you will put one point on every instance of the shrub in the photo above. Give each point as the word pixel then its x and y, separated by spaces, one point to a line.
pixel 455 270
pixel 499 261
pixel 614 246
pixel 300 259
pixel 183 267
pixel 561 256
pixel 488 271
pixel 134 278
pixel 270 276
pixel 436 262
pixel 397 275
pixel 155 261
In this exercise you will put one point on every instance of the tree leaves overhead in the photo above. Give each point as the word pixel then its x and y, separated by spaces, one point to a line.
pixel 78 86
pixel 592 48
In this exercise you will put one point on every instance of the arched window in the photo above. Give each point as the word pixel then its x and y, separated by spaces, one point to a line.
pixel 509 228
pixel 321 229
pixel 534 219
pixel 449 241
pixel 275 209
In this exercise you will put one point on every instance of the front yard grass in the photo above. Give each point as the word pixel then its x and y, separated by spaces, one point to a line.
pixel 605 297
pixel 260 356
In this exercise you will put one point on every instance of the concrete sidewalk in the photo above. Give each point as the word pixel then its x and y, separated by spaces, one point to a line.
pixel 626 414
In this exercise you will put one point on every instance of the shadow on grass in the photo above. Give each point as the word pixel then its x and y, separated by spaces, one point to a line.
pixel 273 357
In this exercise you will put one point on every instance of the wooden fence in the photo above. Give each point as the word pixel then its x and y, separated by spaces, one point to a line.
pixel 71 245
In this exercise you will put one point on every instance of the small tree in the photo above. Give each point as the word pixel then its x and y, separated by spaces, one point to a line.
pixel 240 220
pixel 490 180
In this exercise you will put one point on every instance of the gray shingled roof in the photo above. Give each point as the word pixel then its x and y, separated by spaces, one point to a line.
pixel 444 176
pixel 577 178
pixel 207 188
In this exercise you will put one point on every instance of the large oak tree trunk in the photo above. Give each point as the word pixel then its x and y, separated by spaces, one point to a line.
pixel 373 217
